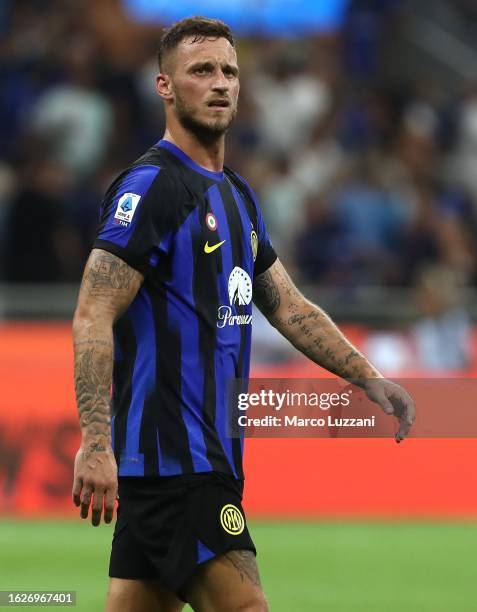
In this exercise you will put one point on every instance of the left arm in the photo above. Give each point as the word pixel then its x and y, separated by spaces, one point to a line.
pixel 313 333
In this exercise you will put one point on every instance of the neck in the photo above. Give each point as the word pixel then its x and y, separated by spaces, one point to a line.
pixel 208 153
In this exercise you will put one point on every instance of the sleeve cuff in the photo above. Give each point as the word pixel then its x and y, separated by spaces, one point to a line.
pixel 132 260
pixel 266 261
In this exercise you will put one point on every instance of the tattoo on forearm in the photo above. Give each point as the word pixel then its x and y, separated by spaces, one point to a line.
pixel 315 335
pixel 91 342
pixel 93 371
pixel 245 564
pixel 308 327
pixel 109 285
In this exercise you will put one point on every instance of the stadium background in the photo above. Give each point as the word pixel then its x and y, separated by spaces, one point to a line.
pixel 358 129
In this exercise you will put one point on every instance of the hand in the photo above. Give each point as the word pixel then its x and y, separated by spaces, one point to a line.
pixel 393 399
pixel 95 482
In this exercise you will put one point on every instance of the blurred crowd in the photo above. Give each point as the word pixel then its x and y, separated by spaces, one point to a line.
pixel 366 175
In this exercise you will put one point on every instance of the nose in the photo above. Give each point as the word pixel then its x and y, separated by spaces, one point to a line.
pixel 220 84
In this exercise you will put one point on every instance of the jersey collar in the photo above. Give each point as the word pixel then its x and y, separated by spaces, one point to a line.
pixel 166 144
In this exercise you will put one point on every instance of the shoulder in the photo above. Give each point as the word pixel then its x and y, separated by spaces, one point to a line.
pixel 151 173
pixel 242 184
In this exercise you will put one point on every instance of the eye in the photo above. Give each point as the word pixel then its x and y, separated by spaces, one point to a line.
pixel 202 70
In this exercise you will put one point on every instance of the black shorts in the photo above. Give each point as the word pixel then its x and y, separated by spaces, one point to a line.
pixel 167 526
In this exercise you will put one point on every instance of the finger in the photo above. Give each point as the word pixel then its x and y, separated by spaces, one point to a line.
pixel 385 404
pixel 76 492
pixel 403 431
pixel 408 406
pixel 97 507
pixel 110 503
pixel 85 501
pixel 411 412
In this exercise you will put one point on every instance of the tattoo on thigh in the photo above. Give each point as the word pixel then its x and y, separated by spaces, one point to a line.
pixel 245 564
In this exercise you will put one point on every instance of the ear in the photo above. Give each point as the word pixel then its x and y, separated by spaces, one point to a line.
pixel 164 86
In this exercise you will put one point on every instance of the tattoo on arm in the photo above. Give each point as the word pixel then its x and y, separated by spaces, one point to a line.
pixel 266 294
pixel 245 564
pixel 93 372
pixel 108 287
pixel 107 272
pixel 273 289
pixel 312 332
pixel 307 326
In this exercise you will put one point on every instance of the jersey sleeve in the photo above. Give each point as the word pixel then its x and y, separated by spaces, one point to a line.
pixel 266 255
pixel 136 221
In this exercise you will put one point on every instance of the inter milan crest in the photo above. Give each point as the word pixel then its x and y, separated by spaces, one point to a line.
pixel 254 243
pixel 231 519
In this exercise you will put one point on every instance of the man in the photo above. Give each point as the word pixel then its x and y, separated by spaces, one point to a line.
pixel 168 287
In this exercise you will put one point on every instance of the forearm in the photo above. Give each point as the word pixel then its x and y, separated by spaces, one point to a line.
pixel 313 333
pixel 108 287
pixel 308 327
pixel 93 349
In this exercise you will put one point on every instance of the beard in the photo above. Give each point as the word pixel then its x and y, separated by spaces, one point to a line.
pixel 205 131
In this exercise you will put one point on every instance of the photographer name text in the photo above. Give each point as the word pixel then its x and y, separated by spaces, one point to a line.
pixel 295 421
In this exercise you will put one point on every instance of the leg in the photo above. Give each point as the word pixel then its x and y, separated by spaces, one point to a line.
pixel 229 583
pixel 140 596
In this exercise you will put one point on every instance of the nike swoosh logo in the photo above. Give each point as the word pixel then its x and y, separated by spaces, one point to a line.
pixel 213 247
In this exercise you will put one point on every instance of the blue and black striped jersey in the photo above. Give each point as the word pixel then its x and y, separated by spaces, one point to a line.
pixel 198 237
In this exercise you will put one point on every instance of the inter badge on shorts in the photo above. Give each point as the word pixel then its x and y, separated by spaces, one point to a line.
pixel 232 520
pixel 211 222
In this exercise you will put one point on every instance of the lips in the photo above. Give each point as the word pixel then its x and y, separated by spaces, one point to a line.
pixel 218 103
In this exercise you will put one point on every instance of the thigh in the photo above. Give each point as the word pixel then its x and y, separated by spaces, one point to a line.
pixel 227 583
pixel 140 596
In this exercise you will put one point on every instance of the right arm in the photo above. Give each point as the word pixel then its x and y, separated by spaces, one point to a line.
pixel 108 287
pixel 313 333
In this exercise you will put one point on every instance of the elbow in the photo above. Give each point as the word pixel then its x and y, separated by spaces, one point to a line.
pixel 275 322
pixel 82 321
pixel 87 318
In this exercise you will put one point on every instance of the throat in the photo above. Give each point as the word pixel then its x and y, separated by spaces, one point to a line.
pixel 204 146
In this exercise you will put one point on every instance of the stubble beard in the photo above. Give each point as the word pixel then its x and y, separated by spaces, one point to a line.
pixel 204 131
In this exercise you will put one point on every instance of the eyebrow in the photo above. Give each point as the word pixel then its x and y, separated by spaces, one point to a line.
pixel 210 65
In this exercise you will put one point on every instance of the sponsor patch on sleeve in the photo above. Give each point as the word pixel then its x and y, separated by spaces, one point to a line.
pixel 126 207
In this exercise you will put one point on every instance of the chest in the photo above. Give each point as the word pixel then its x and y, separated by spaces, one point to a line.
pixel 218 234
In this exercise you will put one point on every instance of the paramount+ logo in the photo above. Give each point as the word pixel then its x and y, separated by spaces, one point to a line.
pixel 240 295
pixel 232 520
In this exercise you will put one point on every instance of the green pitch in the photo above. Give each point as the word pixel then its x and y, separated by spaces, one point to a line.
pixel 322 567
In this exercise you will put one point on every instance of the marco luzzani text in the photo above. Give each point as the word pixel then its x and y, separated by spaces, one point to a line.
pixel 276 403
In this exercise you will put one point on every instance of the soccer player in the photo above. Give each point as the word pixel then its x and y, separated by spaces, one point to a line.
pixel 164 316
